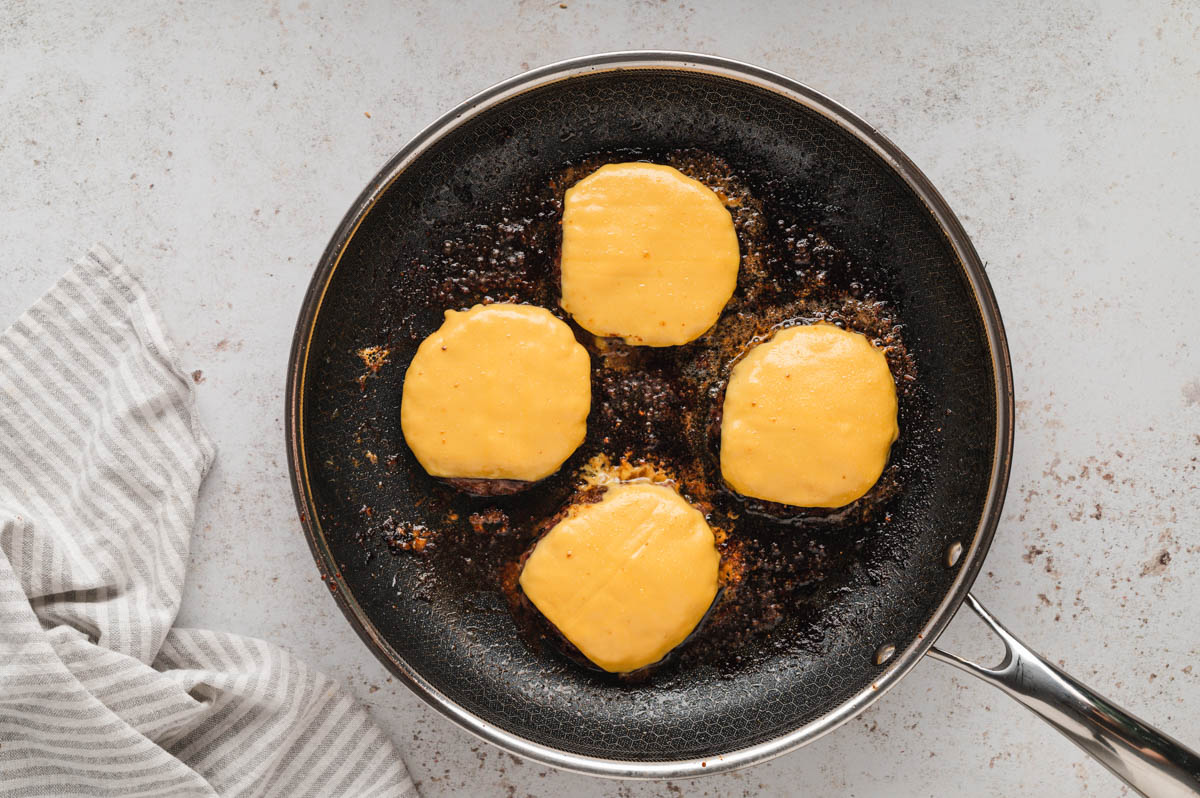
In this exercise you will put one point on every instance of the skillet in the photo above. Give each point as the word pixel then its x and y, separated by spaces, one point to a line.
pixel 417 567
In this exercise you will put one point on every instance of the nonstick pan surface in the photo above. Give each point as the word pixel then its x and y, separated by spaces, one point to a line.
pixel 405 556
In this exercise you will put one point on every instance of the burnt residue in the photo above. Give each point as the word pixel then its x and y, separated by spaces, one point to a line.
pixel 782 567
pixel 491 521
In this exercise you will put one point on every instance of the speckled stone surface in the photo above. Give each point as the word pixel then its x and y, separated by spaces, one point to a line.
pixel 217 147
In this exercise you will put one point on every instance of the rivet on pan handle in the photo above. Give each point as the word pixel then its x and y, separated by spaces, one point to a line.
pixel 1143 757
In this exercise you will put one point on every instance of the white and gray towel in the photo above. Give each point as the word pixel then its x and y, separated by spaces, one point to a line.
pixel 101 458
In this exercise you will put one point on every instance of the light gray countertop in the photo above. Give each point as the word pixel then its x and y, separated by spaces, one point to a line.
pixel 215 147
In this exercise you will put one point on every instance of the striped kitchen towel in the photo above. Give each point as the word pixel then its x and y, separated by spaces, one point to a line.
pixel 101 458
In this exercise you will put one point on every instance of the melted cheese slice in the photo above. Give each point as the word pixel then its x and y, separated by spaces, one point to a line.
pixel 628 578
pixel 498 392
pixel 809 418
pixel 648 254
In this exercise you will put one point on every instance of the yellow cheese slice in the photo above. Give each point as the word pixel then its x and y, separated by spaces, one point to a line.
pixel 498 392
pixel 648 254
pixel 628 578
pixel 809 418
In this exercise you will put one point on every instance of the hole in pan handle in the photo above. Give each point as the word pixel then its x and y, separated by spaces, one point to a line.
pixel 1143 757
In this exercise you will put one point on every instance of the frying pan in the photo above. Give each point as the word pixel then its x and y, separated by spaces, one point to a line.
pixel 449 635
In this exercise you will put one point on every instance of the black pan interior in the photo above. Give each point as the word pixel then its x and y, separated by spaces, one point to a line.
pixel 437 609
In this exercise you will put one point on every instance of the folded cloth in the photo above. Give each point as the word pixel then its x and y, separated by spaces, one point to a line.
pixel 101 458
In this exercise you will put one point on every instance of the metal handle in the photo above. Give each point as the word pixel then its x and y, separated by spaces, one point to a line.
pixel 1143 757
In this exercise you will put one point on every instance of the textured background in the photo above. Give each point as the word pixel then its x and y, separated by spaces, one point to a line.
pixel 217 148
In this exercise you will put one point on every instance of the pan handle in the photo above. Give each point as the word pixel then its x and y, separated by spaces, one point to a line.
pixel 1143 757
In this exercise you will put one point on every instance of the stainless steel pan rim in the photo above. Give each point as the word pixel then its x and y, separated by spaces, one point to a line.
pixel 974 550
